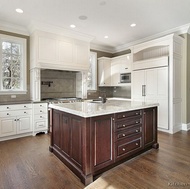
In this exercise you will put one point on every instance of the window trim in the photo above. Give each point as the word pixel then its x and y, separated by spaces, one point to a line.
pixel 23 42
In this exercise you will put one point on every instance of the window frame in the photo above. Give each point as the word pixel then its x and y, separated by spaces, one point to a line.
pixel 23 76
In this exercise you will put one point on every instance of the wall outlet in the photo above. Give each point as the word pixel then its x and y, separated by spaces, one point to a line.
pixel 13 96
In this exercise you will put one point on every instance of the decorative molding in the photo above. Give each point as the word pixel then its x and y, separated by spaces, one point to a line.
pixel 178 30
pixel 33 26
pixel 185 126
pixel 13 28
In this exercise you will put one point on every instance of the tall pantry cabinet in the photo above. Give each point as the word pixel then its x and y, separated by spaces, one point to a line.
pixel 156 77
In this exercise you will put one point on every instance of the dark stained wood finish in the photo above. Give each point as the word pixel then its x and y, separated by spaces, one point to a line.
pixel 102 141
pixel 92 144
pixel 27 163
pixel 150 127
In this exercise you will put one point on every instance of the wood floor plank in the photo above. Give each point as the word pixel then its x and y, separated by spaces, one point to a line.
pixel 26 163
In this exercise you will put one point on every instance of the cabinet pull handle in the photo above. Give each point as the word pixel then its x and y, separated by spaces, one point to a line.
pixel 123 135
pixel 143 90
pixel 123 149
pixel 136 144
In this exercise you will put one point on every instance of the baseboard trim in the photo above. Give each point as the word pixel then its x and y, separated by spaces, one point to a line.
pixel 185 126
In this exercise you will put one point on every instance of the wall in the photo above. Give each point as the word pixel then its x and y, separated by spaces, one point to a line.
pixel 19 97
pixel 64 84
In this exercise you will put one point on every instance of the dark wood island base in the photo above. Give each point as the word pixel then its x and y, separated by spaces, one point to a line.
pixel 90 146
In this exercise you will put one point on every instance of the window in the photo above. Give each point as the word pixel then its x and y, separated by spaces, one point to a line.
pixel 12 65
pixel 92 72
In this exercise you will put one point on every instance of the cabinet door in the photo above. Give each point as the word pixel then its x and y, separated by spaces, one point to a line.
pixel 102 139
pixel 115 72
pixel 138 82
pixel 24 124
pixel 150 126
pixel 104 73
pixel 7 126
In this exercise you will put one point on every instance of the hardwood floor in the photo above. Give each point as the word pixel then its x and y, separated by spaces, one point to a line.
pixel 26 163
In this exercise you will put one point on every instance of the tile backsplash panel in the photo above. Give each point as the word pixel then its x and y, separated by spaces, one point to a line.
pixel 63 84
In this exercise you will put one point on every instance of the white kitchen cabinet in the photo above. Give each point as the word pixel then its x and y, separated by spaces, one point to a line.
pixel 151 85
pixel 52 51
pixel 104 71
pixel 40 117
pixel 15 121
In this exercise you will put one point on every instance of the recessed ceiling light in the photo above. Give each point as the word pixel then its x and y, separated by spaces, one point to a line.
pixel 83 17
pixel 19 11
pixel 133 25
pixel 105 36
pixel 72 26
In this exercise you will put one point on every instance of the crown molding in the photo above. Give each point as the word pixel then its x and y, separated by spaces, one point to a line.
pixel 33 26
pixel 9 27
pixel 178 30
pixel 102 48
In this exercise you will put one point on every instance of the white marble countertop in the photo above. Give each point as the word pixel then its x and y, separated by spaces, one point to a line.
pixel 90 109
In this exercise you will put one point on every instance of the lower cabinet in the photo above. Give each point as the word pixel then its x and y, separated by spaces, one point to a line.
pixel 15 120
pixel 89 146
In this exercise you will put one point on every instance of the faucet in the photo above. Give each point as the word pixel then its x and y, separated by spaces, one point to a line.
pixel 103 98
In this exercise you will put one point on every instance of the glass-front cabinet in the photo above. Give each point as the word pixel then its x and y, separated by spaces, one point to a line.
pixel 13 64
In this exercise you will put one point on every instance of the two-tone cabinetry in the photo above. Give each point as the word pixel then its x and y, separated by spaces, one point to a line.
pixel 15 120
pixel 40 117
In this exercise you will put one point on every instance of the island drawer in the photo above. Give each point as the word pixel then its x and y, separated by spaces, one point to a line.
pixel 124 115
pixel 128 146
pixel 128 132
pixel 122 125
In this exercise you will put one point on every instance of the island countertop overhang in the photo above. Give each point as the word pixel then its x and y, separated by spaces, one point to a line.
pixel 89 109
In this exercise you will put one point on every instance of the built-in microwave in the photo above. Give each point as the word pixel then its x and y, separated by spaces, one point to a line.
pixel 125 78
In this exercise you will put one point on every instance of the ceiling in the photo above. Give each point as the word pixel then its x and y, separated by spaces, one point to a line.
pixel 103 17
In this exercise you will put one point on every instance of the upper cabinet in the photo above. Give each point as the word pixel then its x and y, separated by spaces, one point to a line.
pixel 104 71
pixel 109 70
pixel 58 52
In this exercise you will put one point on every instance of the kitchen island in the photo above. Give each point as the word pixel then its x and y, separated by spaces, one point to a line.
pixel 91 137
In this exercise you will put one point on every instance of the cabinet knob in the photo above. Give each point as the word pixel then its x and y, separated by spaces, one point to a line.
pixel 123 149
pixel 123 125
pixel 123 135
pixel 137 113
pixel 136 144
pixel 7 113
pixel 113 119
pixel 40 116
pixel 7 107
pixel 18 119
pixel 136 122
pixel 123 116
pixel 40 110
pixel 136 131
pixel 15 120
pixel 24 106
pixel 24 112
pixel 40 105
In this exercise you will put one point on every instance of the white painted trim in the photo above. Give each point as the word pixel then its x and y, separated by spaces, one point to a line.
pixel 178 30
pixel 60 31
pixel 4 26
pixel 185 126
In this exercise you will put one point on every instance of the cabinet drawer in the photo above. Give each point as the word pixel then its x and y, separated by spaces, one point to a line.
pixel 127 123
pixel 15 113
pixel 40 117
pixel 128 146
pixel 40 125
pixel 40 106
pixel 40 111
pixel 15 107
pixel 128 132
pixel 125 115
